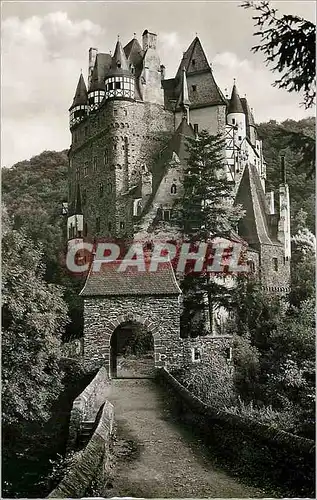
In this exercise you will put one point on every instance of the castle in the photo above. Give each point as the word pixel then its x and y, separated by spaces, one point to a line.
pixel 128 154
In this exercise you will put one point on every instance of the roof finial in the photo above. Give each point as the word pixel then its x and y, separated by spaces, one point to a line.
pixel 134 35
pixel 234 81
pixel 118 36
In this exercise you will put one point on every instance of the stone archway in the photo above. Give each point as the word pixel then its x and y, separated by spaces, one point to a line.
pixel 112 297
pixel 132 349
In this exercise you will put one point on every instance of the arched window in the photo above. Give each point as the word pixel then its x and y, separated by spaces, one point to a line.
pixel 173 189
pixel 101 189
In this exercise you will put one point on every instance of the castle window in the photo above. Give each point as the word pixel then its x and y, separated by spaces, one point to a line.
pixel 166 215
pixel 106 157
pixel 101 190
pixel 84 196
pixel 233 121
pixel 109 226
pixel 121 224
pixel 229 353
pixel 86 168
pixel 196 355
pixel 173 189
pixel 251 265
pixel 115 146
pixel 240 138
pixel 97 224
pixel 95 163
pixel 110 86
pixel 125 112
pixel 193 62
pixel 275 264
pixel 77 174
pixel 118 64
pixel 123 147
pixel 115 112
pixel 196 128
pixel 86 131
pixel 118 85
pixel 194 88
pixel 85 229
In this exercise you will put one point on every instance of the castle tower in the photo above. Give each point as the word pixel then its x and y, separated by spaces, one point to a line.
pixel 150 83
pixel 79 108
pixel 119 81
pixel 236 116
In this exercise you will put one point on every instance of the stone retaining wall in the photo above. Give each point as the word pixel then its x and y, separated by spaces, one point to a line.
pixel 252 449
pixel 91 462
pixel 87 404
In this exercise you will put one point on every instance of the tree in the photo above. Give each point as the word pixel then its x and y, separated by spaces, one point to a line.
pixel 34 316
pixel 289 42
pixel 303 265
pixel 205 210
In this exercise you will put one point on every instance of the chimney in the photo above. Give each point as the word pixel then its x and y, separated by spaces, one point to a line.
pixel 270 202
pixel 149 40
pixel 92 59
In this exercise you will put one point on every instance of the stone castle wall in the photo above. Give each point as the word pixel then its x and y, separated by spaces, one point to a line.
pixel 106 158
pixel 160 315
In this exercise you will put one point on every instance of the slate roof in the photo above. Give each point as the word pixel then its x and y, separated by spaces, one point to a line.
pixel 134 52
pixel 81 93
pixel 119 65
pixel 101 68
pixel 178 141
pixel 249 117
pixel 235 105
pixel 109 281
pixel 254 227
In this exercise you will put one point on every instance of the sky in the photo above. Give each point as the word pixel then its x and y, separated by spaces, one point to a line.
pixel 45 46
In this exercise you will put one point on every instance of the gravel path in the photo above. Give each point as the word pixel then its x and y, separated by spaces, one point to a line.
pixel 153 458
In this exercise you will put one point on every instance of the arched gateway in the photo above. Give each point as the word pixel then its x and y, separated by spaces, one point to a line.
pixel 113 297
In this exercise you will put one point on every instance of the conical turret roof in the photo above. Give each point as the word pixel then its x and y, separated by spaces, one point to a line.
pixel 235 105
pixel 184 98
pixel 119 65
pixel 81 93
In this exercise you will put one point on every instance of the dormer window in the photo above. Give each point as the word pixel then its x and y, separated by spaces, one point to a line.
pixel 118 64
pixel 193 62
pixel 233 121
pixel 194 88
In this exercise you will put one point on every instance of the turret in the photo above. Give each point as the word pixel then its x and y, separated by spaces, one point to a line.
pixel 150 80
pixel 184 101
pixel 284 229
pixel 96 91
pixel 119 81
pixel 75 221
pixel 236 116
pixel 91 63
pixel 79 109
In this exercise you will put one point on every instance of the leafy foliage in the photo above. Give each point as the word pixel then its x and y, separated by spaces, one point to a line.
pixel 289 42
pixel 284 138
pixel 34 316
pixel 204 211
pixel 33 192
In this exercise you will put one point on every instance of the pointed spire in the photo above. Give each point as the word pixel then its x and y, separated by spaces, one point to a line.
pixel 184 98
pixel 81 93
pixel 78 208
pixel 235 105
pixel 119 63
